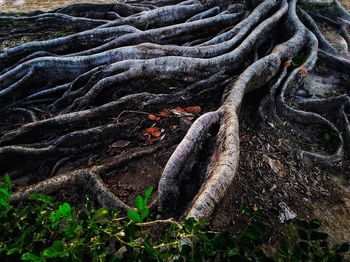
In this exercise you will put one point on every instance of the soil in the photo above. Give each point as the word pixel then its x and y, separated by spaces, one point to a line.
pixel 43 5
pixel 269 174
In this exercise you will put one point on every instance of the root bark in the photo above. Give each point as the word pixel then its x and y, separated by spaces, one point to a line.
pixel 72 91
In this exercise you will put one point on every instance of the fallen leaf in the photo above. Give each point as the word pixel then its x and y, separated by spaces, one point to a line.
pixel 120 144
pixel 287 64
pixel 303 71
pixel 193 109
pixel 255 208
pixel 153 117
pixel 164 112
pixel 276 166
pixel 152 131
pixel 180 109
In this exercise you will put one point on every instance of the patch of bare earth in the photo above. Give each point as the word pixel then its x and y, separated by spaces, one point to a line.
pixel 270 177
pixel 42 5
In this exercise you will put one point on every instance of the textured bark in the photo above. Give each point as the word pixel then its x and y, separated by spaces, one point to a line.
pixel 72 90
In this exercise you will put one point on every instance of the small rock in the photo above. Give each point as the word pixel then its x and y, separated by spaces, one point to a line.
pixel 120 144
pixel 286 214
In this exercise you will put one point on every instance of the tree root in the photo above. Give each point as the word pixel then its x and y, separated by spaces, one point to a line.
pixel 72 92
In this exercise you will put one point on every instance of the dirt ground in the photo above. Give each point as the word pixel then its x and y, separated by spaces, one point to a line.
pixel 43 5
pixel 270 176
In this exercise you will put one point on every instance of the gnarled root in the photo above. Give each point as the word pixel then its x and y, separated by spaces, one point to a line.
pixel 77 97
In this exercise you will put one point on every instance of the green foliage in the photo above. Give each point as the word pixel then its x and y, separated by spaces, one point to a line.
pixel 42 230
pixel 141 212
pixel 298 59
pixel 330 135
pixel 58 34
pixel 307 243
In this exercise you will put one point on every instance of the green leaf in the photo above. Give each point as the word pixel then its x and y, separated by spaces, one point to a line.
pixel 246 211
pixel 4 202
pixel 144 213
pixel 133 244
pixel 314 224
pixel 50 252
pixel 232 252
pixel 148 193
pixel 65 209
pixel 149 248
pixel 139 203
pixel 40 197
pixel 54 218
pixel 55 250
pixel 58 245
pixel 30 257
pixel 134 216
pixel 13 251
pixel 165 254
pixel 190 224
pixel 101 212
pixel 5 193
pixel 8 180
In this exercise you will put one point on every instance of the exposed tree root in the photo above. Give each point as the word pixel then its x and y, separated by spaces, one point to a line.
pixel 79 94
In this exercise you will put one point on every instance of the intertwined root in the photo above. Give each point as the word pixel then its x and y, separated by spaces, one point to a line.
pixel 73 91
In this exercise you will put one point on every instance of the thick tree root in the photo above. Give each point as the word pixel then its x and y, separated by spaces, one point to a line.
pixel 81 94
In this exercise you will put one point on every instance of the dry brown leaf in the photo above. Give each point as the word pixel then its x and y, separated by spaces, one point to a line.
pixel 180 109
pixel 276 166
pixel 287 64
pixel 193 109
pixel 120 144
pixel 152 131
pixel 303 71
pixel 164 112
pixel 153 117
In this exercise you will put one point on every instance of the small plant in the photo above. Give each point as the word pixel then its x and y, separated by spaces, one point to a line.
pixel 298 59
pixel 42 230
pixel 15 41
pixel 141 211
pixel 330 135
pixel 307 243
pixel 58 34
